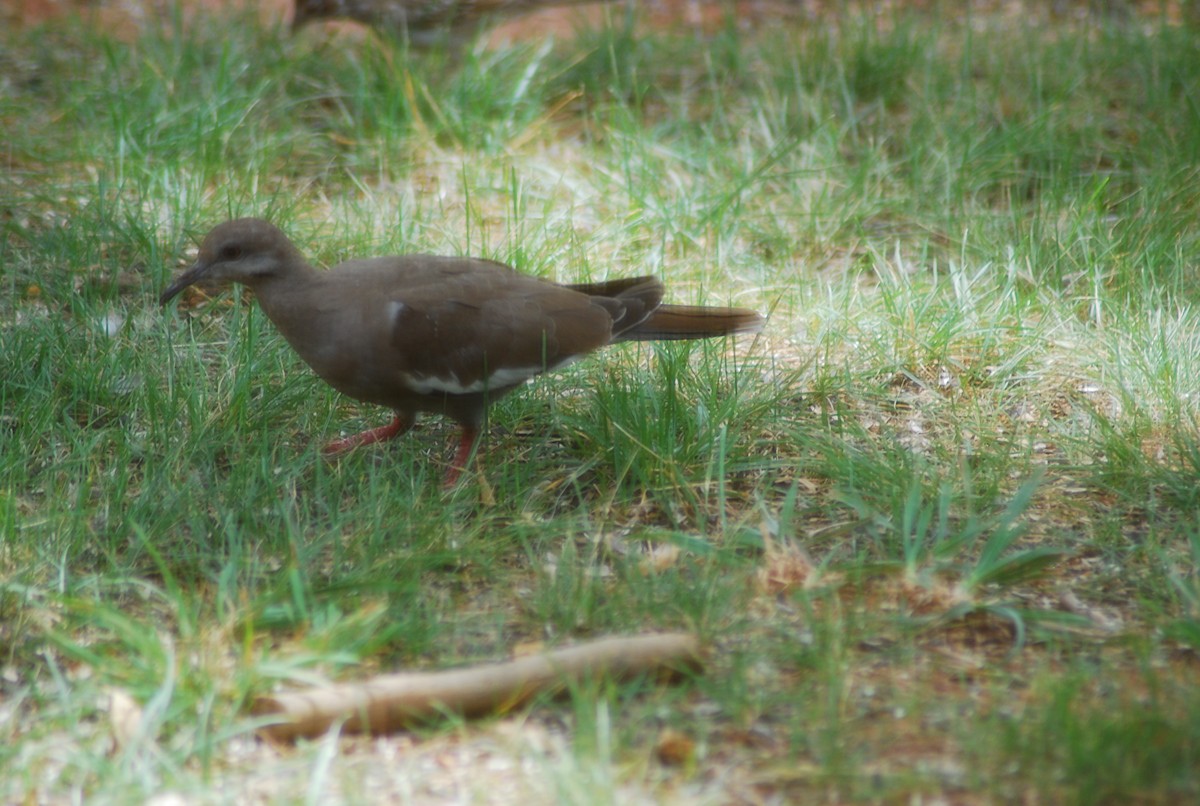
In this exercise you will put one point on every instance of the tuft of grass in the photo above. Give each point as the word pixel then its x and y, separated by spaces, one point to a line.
pixel 936 524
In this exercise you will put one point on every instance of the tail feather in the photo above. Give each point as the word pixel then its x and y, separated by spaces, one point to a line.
pixel 693 322
pixel 639 315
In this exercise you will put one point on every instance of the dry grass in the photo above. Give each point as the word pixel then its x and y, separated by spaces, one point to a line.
pixel 938 524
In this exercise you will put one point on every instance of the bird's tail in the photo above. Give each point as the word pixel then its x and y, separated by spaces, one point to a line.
pixel 694 322
pixel 639 315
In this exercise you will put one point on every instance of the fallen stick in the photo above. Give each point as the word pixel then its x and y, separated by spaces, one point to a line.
pixel 396 701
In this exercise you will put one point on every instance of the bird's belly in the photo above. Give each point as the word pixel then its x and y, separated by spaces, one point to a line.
pixel 358 378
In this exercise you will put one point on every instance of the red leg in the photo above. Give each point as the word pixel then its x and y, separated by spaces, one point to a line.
pixel 400 424
pixel 470 434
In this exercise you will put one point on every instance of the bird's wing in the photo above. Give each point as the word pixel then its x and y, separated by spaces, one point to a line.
pixel 482 326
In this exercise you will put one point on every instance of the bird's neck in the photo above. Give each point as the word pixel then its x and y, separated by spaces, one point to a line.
pixel 286 294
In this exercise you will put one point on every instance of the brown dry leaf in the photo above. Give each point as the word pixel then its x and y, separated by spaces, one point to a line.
pixel 124 717
pixel 785 566
pixel 675 748
pixel 659 558
pixel 928 599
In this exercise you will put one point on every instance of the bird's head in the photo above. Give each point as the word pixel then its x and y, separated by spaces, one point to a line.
pixel 246 250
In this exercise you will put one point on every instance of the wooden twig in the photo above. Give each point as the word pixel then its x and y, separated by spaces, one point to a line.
pixel 393 702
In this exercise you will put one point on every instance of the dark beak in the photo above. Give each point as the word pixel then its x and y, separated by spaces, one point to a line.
pixel 187 278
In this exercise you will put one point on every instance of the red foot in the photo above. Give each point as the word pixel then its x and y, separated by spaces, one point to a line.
pixel 399 425
pixel 458 464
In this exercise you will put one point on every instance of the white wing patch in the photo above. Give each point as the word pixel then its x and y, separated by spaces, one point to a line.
pixel 501 379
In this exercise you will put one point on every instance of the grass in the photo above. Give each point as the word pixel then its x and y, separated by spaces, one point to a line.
pixel 938 524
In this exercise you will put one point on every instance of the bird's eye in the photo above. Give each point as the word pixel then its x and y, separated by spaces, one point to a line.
pixel 230 252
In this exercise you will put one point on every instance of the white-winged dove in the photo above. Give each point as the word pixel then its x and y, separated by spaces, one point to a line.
pixel 422 333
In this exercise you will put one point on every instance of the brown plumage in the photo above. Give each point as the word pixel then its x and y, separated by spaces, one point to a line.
pixel 421 21
pixel 422 333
